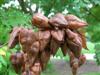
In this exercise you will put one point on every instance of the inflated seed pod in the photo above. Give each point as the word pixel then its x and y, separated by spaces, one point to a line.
pixel 83 39
pixel 17 60
pixel 40 21
pixel 28 73
pixel 26 38
pixel 57 40
pixel 58 35
pixel 44 39
pixel 45 57
pixel 34 48
pixel 64 48
pixel 82 60
pixel 54 46
pixel 14 37
pixel 75 48
pixel 74 63
pixel 73 37
pixel 36 68
pixel 74 22
pixel 58 21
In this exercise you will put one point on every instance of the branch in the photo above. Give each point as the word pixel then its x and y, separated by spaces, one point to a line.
pixel 23 6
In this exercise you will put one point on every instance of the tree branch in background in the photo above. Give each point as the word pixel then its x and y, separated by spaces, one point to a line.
pixel 36 10
pixel 23 6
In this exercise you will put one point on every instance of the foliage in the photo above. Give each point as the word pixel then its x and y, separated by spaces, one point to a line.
pixel 5 65
pixel 97 52
pixel 9 18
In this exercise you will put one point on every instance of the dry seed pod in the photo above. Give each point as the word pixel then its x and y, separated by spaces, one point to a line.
pixel 70 34
pixel 45 57
pixel 58 35
pixel 82 60
pixel 75 68
pixel 40 21
pixel 74 22
pixel 28 73
pixel 75 48
pixel 58 21
pixel 44 39
pixel 54 45
pixel 26 38
pixel 64 49
pixel 34 49
pixel 14 37
pixel 74 63
pixel 83 38
pixel 36 68
pixel 17 60
pixel 74 39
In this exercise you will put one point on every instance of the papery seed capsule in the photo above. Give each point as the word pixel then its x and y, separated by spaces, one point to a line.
pixel 40 21
pixel 58 21
pixel 74 22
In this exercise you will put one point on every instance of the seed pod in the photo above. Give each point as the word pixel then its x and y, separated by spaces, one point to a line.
pixel 17 60
pixel 44 39
pixel 26 38
pixel 74 63
pixel 58 21
pixel 28 73
pixel 74 43
pixel 83 39
pixel 36 68
pixel 54 45
pixel 64 48
pixel 40 21
pixel 75 48
pixel 45 57
pixel 82 60
pixel 14 37
pixel 74 22
pixel 34 49
pixel 58 35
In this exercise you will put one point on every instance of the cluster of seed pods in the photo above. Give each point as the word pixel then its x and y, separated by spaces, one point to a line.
pixel 57 32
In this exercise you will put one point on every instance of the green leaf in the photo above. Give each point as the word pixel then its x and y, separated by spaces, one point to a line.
pixel 3 61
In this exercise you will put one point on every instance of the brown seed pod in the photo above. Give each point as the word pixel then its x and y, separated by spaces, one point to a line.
pixel 34 48
pixel 83 39
pixel 75 48
pixel 72 36
pixel 36 68
pixel 14 37
pixel 74 63
pixel 58 35
pixel 58 21
pixel 64 48
pixel 44 39
pixel 28 73
pixel 73 42
pixel 26 38
pixel 74 22
pixel 45 57
pixel 54 45
pixel 82 60
pixel 40 21
pixel 17 60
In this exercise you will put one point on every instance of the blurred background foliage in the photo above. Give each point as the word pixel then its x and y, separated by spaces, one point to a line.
pixel 19 13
